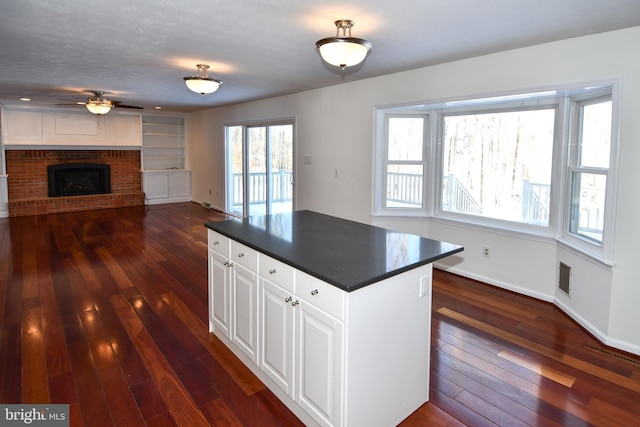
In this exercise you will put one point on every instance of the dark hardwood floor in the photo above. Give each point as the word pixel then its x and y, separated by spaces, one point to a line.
pixel 107 311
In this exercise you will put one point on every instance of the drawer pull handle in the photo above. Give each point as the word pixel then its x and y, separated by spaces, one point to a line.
pixel 314 292
pixel 241 254
pixel 217 242
pixel 272 271
pixel 228 264
pixel 288 299
pixel 296 302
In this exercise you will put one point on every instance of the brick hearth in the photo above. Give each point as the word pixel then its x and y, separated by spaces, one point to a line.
pixel 28 188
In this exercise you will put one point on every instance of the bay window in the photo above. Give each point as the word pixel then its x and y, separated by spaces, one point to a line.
pixel 534 162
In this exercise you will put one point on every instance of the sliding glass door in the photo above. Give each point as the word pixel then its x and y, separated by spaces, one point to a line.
pixel 259 168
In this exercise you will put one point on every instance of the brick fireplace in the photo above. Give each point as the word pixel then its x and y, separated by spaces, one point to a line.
pixel 28 181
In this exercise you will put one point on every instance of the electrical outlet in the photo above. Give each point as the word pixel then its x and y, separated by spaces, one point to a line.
pixel 486 252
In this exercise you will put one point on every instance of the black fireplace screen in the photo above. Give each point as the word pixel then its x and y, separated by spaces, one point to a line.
pixel 76 179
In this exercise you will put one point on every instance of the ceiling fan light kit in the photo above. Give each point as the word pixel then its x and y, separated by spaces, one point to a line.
pixel 201 83
pixel 343 51
pixel 97 104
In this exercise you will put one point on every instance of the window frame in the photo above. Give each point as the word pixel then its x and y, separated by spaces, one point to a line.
pixel 245 126
pixel 385 163
pixel 502 107
pixel 566 101
pixel 602 251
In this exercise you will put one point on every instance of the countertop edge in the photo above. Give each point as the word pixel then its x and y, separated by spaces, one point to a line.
pixel 320 276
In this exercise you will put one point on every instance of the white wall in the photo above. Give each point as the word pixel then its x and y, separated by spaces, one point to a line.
pixel 335 127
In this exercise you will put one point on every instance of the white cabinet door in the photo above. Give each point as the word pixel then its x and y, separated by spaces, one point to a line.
pixel 166 186
pixel 23 127
pixel 276 335
pixel 245 311
pixel 319 364
pixel 155 185
pixel 124 130
pixel 179 184
pixel 219 293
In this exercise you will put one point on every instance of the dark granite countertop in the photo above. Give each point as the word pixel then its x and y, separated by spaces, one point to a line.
pixel 346 254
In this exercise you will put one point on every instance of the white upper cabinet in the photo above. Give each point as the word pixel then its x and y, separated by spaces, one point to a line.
pixel 73 128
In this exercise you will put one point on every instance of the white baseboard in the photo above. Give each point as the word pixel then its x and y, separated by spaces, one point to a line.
pixel 167 200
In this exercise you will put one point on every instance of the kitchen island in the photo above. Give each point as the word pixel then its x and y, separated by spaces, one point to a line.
pixel 332 315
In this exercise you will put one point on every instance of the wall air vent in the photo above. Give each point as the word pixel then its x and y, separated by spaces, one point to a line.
pixel 564 280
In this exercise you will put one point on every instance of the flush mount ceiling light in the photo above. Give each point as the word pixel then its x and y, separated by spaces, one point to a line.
pixel 343 51
pixel 201 83
pixel 98 105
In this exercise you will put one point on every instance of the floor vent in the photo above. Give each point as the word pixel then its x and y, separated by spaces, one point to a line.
pixel 564 281
pixel 612 354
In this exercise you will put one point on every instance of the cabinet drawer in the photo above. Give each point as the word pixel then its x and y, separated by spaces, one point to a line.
pixel 275 271
pixel 218 242
pixel 244 255
pixel 321 294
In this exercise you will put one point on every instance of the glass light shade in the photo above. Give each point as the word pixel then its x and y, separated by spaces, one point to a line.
pixel 202 85
pixel 343 51
pixel 99 107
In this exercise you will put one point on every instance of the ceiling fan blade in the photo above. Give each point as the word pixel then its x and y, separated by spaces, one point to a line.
pixel 118 105
pixel 72 100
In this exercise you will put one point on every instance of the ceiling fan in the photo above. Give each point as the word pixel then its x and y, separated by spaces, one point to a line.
pixel 98 104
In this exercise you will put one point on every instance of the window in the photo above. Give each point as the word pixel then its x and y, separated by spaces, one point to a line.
pixel 534 162
pixel 589 168
pixel 498 164
pixel 405 162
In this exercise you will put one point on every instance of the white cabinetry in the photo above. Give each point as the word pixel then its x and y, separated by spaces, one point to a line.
pixel 334 358
pixel 162 142
pixel 166 186
pixel 53 128
pixel 164 177
pixel 233 293
pixel 244 299
pixel 319 349
pixel 276 335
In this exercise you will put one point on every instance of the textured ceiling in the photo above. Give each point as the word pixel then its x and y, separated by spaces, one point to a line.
pixel 138 51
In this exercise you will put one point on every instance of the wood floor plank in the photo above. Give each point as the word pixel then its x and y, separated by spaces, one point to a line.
pixel 552 353
pixel 93 404
pixel 249 383
pixel 219 414
pixel 129 360
pixel 185 412
pixel 118 396
pixel 35 384
pixel 181 351
pixel 538 368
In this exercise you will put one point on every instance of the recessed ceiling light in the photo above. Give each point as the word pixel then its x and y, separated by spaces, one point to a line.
pixel 158 108
pixel 25 99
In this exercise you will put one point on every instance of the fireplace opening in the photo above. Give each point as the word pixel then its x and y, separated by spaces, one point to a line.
pixel 78 179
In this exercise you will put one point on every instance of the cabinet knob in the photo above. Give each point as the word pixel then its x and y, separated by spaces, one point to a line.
pixel 228 263
pixel 314 292
pixel 241 254
pixel 288 299
pixel 272 271
pixel 217 242
pixel 296 302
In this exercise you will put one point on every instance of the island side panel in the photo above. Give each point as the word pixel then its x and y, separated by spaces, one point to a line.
pixel 388 349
